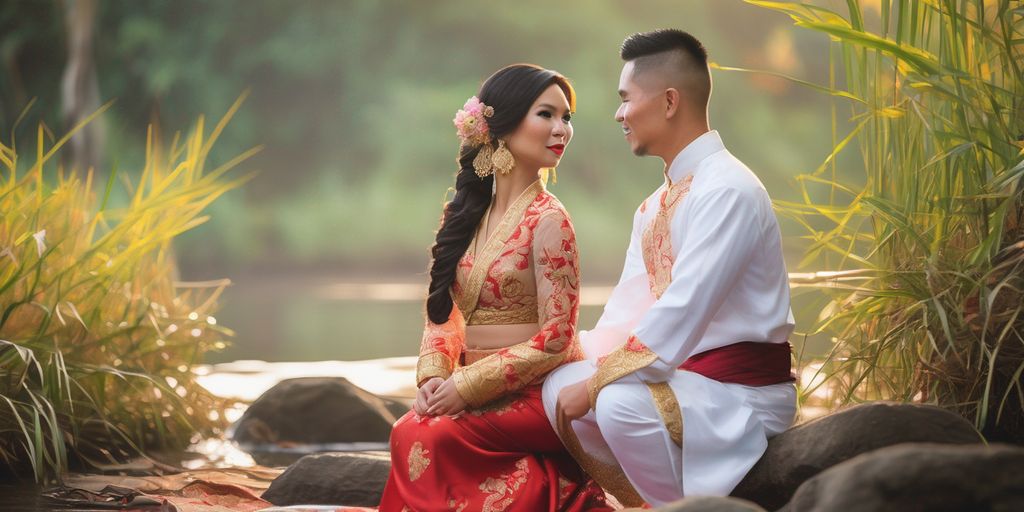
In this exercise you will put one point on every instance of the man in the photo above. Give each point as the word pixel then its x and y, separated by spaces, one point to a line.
pixel 688 369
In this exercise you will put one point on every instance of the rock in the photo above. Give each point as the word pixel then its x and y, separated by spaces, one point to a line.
pixel 352 479
pixel 317 410
pixel 920 476
pixel 710 504
pixel 802 452
pixel 397 408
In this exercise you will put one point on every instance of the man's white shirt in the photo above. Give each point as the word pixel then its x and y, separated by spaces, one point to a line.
pixel 729 281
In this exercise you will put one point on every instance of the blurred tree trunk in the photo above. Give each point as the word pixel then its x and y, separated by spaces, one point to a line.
pixel 80 87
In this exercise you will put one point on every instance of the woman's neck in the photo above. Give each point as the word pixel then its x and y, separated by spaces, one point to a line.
pixel 507 188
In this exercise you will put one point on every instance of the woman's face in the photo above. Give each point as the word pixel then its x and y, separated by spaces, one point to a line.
pixel 541 137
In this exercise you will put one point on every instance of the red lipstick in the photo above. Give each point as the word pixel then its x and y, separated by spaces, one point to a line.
pixel 557 148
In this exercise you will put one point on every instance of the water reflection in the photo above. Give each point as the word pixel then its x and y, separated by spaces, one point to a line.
pixel 287 318
pixel 247 380
pixel 283 319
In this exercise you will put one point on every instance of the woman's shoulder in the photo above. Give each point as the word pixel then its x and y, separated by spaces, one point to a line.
pixel 551 217
pixel 549 208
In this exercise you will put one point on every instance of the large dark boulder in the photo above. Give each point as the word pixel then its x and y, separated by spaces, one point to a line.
pixel 802 452
pixel 353 479
pixel 710 504
pixel 920 476
pixel 317 410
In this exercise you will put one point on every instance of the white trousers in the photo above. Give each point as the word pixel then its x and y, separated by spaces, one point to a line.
pixel 725 430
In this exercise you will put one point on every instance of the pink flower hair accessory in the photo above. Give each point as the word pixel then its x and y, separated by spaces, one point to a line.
pixel 470 122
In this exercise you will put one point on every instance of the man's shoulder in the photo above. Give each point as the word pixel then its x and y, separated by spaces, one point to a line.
pixel 723 172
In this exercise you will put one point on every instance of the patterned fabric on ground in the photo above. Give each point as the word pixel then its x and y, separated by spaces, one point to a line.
pixel 214 490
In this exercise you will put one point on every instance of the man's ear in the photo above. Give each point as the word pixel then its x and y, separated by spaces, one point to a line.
pixel 672 102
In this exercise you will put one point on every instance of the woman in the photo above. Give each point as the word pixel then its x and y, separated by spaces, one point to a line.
pixel 502 309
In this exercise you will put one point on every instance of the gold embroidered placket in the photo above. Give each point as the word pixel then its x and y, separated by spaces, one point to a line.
pixel 656 241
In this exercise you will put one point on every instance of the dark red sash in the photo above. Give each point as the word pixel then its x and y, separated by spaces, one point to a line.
pixel 748 363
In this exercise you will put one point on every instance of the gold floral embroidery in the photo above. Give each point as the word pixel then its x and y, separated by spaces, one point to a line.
pixel 668 408
pixel 510 286
pixel 657 237
pixel 501 490
pixel 628 358
pixel 433 364
pixel 565 489
pixel 507 370
pixel 520 315
pixel 418 461
pixel 608 475
pixel 499 407
pixel 457 506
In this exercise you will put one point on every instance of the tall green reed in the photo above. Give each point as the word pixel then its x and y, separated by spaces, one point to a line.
pixel 98 336
pixel 926 246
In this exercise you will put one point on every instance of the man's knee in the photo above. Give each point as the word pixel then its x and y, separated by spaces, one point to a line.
pixel 568 374
pixel 623 403
pixel 563 376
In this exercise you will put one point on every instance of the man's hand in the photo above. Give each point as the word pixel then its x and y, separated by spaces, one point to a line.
pixel 424 393
pixel 446 400
pixel 573 401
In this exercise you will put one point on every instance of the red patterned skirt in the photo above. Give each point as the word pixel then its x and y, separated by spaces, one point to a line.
pixel 503 456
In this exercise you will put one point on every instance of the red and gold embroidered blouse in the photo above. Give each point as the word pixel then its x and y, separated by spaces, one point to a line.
pixel 526 272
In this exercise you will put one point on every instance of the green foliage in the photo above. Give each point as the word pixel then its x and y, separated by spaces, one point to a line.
pixel 97 336
pixel 359 95
pixel 929 243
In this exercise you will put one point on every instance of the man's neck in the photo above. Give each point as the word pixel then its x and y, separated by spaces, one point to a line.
pixel 681 138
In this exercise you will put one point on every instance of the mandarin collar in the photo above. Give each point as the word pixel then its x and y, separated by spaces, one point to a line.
pixel 685 163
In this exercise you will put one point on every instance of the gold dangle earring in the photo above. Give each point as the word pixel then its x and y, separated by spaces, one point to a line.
pixel 482 163
pixel 550 173
pixel 502 159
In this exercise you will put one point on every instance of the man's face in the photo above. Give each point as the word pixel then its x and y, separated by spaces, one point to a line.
pixel 641 112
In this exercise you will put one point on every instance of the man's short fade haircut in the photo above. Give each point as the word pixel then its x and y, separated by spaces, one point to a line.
pixel 644 44
pixel 680 57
